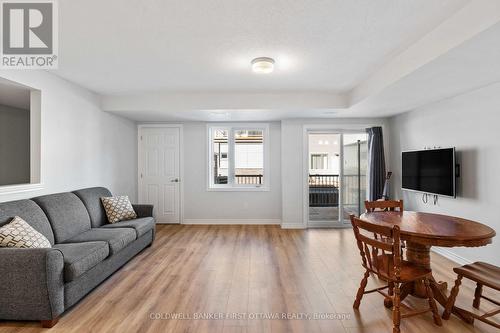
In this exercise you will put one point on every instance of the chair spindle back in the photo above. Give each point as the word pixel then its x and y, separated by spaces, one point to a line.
pixel 377 244
pixel 384 205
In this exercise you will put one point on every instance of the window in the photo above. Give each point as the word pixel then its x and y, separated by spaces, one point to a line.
pixel 238 157
pixel 220 163
pixel 319 162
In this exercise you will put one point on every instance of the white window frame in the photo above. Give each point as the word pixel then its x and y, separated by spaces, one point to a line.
pixel 231 128
pixel 325 156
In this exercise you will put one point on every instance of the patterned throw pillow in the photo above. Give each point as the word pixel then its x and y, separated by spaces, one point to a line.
pixel 18 233
pixel 118 209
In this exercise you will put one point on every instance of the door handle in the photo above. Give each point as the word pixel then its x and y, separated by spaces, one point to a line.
pixel 176 180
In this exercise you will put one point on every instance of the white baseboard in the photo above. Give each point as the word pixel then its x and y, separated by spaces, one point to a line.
pixel 329 225
pixel 233 221
pixel 450 255
pixel 292 226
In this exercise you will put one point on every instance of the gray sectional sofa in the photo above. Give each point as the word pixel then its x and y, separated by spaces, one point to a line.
pixel 40 284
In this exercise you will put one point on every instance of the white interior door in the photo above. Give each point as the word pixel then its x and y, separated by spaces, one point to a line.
pixel 159 171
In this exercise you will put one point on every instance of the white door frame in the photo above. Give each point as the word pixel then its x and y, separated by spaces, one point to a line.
pixel 327 128
pixel 181 162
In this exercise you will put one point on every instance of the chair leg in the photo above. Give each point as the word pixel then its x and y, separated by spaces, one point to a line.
pixel 390 291
pixel 432 303
pixel 477 295
pixel 361 290
pixel 452 298
pixel 396 312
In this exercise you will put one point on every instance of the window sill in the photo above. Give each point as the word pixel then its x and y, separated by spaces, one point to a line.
pixel 238 189
pixel 14 189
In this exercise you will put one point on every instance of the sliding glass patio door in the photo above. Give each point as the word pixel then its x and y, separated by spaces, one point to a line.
pixel 337 164
pixel 355 151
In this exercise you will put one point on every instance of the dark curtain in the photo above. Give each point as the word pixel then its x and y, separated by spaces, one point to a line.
pixel 376 163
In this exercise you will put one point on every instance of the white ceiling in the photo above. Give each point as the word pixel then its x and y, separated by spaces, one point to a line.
pixel 470 65
pixel 126 46
pixel 189 60
pixel 14 95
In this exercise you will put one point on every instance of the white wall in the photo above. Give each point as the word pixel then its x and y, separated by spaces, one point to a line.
pixel 292 160
pixel 81 145
pixel 202 206
pixel 470 122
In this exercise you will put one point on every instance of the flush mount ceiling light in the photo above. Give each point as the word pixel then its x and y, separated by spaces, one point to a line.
pixel 263 65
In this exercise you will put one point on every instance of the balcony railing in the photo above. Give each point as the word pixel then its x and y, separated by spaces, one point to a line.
pixel 248 179
pixel 324 190
pixel 323 180
pixel 241 179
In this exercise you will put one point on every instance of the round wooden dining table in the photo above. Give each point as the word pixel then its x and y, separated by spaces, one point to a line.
pixel 421 231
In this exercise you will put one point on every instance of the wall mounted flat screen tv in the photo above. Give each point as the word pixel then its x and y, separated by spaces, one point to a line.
pixel 430 171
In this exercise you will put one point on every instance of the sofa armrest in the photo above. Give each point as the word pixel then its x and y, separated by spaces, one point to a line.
pixel 31 284
pixel 143 210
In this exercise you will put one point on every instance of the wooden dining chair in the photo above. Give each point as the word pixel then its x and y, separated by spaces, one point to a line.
pixel 382 257
pixel 384 205
pixel 484 275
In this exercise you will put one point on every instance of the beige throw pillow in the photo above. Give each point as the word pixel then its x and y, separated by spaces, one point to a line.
pixel 118 209
pixel 18 233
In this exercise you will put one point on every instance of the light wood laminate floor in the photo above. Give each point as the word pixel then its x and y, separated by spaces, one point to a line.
pixel 249 270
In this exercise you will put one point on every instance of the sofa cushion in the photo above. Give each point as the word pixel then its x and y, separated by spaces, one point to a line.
pixel 118 209
pixel 66 213
pixel 28 211
pixel 18 233
pixel 91 198
pixel 116 238
pixel 80 257
pixel 141 225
